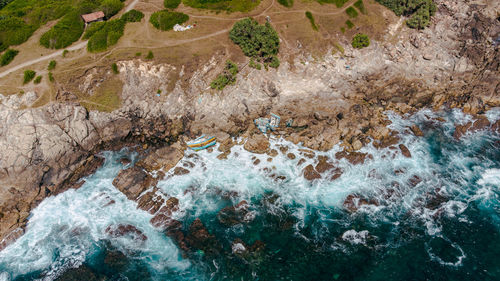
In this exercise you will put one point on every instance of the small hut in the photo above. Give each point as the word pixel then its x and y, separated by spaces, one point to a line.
pixel 93 17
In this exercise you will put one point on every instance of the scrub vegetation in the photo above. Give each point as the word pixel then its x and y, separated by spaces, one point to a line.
pixel 52 65
pixel 311 19
pixel 419 12
pixel 132 16
pixel 351 12
pixel 223 5
pixel 20 18
pixel 360 41
pixel 171 4
pixel 260 42
pixel 101 35
pixel 165 20
pixel 360 6
pixel 286 3
pixel 8 57
pixel 28 76
pixel 227 77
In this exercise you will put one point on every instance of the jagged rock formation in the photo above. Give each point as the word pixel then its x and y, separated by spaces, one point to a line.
pixel 454 63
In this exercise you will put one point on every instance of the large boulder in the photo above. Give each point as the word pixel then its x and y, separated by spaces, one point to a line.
pixel 258 143
pixel 198 237
pixel 310 173
pixel 129 230
pixel 132 182
pixel 163 158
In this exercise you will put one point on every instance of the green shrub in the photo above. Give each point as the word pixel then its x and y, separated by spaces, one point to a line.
pixel 8 56
pixel 256 41
pixel 360 41
pixel 165 20
pixel 171 4
pixel 64 53
pixel 342 29
pixel 227 77
pixel 311 19
pixel 67 31
pixel 351 12
pixel 138 54
pixel 111 7
pixel 223 5
pixel 114 67
pixel 104 35
pixel 150 55
pixel 13 31
pixel 349 24
pixel 38 79
pixel 274 62
pixel 419 12
pixel 255 65
pixel 4 3
pixel 51 77
pixel 132 16
pixel 28 76
pixel 286 3
pixel 52 65
pixel 361 7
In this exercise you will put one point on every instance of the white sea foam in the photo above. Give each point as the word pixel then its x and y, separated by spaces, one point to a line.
pixel 355 237
pixel 64 229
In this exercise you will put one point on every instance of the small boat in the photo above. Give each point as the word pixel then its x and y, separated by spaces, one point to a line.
pixel 201 142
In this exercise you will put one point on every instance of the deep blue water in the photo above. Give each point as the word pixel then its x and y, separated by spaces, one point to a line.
pixel 445 226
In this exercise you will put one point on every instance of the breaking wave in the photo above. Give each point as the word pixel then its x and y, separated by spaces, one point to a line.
pixel 392 217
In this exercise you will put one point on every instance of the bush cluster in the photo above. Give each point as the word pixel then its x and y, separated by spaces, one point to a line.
pixel 418 11
pixel 114 67
pixel 13 31
pixel 260 42
pixel 223 5
pixel 349 24
pixel 132 16
pixel 171 4
pixel 28 76
pixel 165 20
pixel 101 35
pixel 228 76
pixel 67 31
pixel 361 7
pixel 351 12
pixel 38 79
pixel 111 7
pixel 8 56
pixel 286 3
pixel 52 65
pixel 360 41
pixel 311 19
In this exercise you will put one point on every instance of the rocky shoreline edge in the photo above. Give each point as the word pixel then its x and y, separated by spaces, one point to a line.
pixel 47 150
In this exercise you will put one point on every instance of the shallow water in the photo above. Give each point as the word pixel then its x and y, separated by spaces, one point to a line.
pixel 444 226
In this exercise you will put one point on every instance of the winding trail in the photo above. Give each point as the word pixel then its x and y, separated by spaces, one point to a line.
pixel 178 42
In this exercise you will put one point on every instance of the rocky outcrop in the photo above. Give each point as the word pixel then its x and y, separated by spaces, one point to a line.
pixel 132 182
pixel 44 150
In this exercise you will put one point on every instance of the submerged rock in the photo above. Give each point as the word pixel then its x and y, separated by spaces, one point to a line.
pixel 232 215
pixel 405 151
pixel 353 157
pixel 353 202
pixel 310 173
pixel 198 237
pixel 82 272
pixel 480 123
pixel 125 230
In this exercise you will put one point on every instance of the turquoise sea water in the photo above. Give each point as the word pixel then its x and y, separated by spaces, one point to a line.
pixel 444 226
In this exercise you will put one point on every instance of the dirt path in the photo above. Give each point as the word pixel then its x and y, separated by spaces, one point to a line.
pixel 178 42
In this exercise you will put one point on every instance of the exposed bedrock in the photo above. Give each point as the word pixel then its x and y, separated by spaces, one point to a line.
pixel 453 63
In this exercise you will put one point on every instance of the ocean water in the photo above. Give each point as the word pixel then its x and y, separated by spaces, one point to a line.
pixel 434 216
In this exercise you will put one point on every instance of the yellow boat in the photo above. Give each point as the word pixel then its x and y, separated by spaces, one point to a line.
pixel 202 142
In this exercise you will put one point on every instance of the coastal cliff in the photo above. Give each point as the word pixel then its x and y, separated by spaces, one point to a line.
pixel 340 98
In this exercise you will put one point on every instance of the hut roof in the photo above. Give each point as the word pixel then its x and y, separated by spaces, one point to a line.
pixel 93 16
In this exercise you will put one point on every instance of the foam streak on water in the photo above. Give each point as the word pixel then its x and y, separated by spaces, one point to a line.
pixel 437 211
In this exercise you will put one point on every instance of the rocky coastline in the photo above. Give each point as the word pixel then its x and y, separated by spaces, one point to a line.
pixel 455 63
